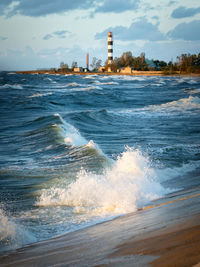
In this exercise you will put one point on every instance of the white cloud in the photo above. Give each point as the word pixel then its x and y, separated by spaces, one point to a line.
pixel 139 30
pixel 186 31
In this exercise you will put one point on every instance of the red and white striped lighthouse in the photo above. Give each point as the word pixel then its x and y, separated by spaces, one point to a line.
pixel 110 50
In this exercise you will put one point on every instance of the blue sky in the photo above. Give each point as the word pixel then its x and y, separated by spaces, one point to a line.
pixel 42 33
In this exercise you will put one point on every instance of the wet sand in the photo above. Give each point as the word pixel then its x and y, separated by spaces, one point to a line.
pixel 167 233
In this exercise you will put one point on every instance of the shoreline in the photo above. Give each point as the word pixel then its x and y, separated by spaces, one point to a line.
pixel 164 234
pixel 135 73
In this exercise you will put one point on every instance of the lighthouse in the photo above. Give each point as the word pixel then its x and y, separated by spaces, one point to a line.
pixel 110 50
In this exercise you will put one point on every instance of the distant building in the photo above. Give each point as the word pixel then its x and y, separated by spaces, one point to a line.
pixel 78 69
pixel 87 61
pixel 126 70
pixel 102 69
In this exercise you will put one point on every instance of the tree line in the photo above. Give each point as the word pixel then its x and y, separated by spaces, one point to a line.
pixel 186 63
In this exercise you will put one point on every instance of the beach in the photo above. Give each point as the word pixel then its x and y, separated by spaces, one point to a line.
pixel 160 235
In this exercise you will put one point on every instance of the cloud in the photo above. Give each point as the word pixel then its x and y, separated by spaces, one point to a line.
pixel 186 31
pixel 139 30
pixel 116 6
pixel 59 34
pixel 4 4
pixel 183 12
pixel 47 37
pixel 171 3
pixel 3 38
pixel 36 8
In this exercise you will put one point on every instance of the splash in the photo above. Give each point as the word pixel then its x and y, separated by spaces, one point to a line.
pixel 129 184
pixel 12 235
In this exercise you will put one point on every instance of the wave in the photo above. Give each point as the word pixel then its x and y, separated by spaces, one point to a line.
pixel 183 105
pixel 40 95
pixel 126 186
pixel 57 139
pixel 12 86
pixel 187 80
pixel 167 174
pixel 73 84
pixel 78 89
pixel 106 83
pixel 56 125
pixel 12 235
pixel 192 91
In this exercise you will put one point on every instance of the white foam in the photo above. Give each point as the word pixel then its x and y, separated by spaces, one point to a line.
pixel 39 95
pixel 12 235
pixel 13 86
pixel 170 173
pixel 84 88
pixel 107 83
pixel 12 73
pixel 133 78
pixel 183 104
pixel 127 185
pixel 71 135
pixel 73 84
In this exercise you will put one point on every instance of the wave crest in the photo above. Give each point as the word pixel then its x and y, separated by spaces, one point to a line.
pixel 126 186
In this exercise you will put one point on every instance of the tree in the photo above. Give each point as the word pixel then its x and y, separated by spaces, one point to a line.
pixel 126 59
pixel 96 63
pixel 64 67
pixel 74 64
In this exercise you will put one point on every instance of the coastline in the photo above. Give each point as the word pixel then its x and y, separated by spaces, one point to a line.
pixel 135 73
pixel 166 233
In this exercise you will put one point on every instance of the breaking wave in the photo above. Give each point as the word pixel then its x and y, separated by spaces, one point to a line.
pixel 12 235
pixel 129 184
pixel 184 104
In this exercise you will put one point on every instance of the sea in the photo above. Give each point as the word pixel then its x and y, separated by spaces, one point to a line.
pixel 77 150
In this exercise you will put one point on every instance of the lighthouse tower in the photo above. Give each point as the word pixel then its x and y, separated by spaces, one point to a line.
pixel 110 50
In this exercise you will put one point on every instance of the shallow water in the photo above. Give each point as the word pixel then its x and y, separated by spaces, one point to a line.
pixel 77 150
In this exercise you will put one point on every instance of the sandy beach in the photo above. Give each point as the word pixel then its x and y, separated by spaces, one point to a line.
pixel 166 233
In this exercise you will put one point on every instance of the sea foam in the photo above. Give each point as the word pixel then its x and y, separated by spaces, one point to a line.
pixel 12 235
pixel 126 186
pixel 183 104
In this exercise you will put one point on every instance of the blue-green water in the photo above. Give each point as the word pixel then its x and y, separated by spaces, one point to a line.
pixel 77 150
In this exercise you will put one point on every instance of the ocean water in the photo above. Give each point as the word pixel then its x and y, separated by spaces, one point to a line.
pixel 77 150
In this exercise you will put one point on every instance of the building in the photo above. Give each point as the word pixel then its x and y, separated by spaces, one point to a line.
pixel 102 69
pixel 126 70
pixel 87 61
pixel 78 69
pixel 110 50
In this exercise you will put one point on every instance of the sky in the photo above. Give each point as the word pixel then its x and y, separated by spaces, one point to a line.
pixel 43 33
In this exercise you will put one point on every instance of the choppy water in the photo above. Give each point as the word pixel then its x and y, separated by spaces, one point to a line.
pixel 77 150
